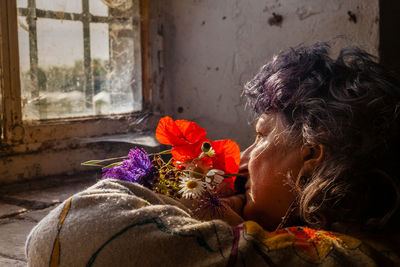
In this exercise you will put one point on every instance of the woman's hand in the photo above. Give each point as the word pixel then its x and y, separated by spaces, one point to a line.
pixel 230 210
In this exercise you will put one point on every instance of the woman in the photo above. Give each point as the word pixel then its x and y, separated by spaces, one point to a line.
pixel 325 157
pixel 332 128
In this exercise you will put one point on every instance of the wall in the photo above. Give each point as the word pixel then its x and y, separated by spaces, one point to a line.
pixel 211 48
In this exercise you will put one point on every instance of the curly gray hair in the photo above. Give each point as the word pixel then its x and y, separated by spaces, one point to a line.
pixel 349 105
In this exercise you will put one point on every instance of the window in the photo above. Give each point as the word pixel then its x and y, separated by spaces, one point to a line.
pixel 71 68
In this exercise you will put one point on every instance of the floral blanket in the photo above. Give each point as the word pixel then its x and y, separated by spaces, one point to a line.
pixel 117 223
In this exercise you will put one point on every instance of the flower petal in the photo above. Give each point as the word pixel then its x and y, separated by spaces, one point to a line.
pixel 180 132
pixel 191 131
pixel 186 152
pixel 167 132
pixel 227 156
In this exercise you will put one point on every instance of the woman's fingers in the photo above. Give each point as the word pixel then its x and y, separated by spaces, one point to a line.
pixel 236 203
pixel 226 214
pixel 231 217
pixel 230 212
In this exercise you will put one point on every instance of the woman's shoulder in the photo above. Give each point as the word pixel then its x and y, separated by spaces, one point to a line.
pixel 300 246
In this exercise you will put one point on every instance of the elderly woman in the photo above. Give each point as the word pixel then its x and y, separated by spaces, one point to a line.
pixel 322 188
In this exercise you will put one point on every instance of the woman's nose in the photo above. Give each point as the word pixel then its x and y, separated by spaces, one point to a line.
pixel 244 160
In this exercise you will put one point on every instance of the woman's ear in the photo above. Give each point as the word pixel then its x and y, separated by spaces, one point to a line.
pixel 312 156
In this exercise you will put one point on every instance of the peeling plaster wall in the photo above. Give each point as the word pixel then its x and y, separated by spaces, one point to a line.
pixel 211 48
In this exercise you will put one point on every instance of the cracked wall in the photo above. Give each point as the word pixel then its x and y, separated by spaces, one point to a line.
pixel 211 48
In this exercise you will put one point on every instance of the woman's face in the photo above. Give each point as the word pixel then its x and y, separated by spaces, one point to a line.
pixel 271 166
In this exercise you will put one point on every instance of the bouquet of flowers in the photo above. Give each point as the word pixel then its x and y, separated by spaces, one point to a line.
pixel 195 169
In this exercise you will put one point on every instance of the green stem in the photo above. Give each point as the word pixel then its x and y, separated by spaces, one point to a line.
pixel 161 153
pixel 233 174
pixel 194 172
pixel 97 162
pixel 112 165
pixel 170 161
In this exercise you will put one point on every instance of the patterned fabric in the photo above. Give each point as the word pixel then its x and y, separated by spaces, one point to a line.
pixel 117 223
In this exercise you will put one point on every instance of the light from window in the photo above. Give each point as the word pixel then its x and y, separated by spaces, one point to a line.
pixel 79 58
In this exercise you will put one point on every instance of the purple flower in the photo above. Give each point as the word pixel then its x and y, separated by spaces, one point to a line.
pixel 137 168
pixel 212 203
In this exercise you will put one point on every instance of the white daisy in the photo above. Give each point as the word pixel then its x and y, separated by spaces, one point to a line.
pixel 214 176
pixel 191 187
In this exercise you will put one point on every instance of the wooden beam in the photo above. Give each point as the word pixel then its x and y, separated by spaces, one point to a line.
pixel 145 52
pixel 11 89
pixel 87 59
pixel 50 14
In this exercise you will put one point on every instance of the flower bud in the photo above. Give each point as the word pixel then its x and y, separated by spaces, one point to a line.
pixel 205 147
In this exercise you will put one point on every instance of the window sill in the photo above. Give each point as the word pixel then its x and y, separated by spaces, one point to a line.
pixel 146 139
pixel 64 157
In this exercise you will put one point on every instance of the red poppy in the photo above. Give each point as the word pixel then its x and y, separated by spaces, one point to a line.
pixel 188 152
pixel 180 132
pixel 227 156
pixel 187 139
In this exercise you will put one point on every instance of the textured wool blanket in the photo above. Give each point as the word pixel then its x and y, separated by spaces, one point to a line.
pixel 116 223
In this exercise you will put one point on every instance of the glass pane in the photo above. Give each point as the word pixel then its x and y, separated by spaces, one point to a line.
pixel 22 3
pixel 100 53
pixel 98 8
pixel 60 5
pixel 64 74
pixel 23 35
pixel 60 43
pixel 28 105
pixel 124 79
pixel 55 88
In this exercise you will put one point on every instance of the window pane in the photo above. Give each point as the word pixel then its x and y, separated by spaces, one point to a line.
pixel 79 68
pixel 125 93
pixel 23 36
pixel 28 105
pixel 98 8
pixel 60 5
pixel 60 43
pixel 54 88
pixel 100 66
pixel 22 3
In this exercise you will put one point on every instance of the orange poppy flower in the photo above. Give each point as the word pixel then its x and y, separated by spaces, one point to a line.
pixel 227 156
pixel 180 132
pixel 184 153
pixel 187 139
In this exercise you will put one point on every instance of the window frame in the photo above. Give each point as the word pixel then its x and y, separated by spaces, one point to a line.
pixel 16 133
